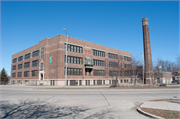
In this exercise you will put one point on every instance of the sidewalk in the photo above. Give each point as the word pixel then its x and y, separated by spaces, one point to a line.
pixel 166 108
pixel 164 105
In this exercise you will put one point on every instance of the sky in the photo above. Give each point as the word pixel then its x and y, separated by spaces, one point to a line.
pixel 116 24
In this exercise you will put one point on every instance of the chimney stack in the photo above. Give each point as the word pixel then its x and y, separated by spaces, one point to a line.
pixel 147 52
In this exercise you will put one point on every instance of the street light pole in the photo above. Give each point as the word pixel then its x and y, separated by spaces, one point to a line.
pixel 66 58
pixel 143 67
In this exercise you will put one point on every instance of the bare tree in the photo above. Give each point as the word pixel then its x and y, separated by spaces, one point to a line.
pixel 114 70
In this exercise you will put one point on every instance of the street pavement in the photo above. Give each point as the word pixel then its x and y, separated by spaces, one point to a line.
pixel 38 102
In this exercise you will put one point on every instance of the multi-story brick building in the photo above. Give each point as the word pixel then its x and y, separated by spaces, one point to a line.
pixel 88 63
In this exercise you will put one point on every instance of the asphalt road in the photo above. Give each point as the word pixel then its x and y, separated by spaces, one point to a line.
pixel 28 102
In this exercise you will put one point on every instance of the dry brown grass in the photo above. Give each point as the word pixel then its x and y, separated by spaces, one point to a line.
pixel 167 114
pixel 166 100
pixel 135 86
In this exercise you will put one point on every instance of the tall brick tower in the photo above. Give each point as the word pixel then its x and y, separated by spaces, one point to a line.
pixel 147 52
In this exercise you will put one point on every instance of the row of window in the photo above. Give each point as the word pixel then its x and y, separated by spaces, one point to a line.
pixel 98 63
pixel 99 73
pixel 127 65
pixel 26 65
pixel 98 53
pixel 28 55
pixel 113 64
pixel 73 60
pixel 112 56
pixel 26 74
pixel 129 59
pixel 73 48
pixel 73 71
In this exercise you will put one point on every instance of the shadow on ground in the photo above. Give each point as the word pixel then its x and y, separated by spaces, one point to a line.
pixel 41 109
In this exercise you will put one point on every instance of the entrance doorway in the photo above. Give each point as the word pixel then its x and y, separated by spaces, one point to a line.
pixel 41 76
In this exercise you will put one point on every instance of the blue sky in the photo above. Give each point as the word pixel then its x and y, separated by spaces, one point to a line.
pixel 116 24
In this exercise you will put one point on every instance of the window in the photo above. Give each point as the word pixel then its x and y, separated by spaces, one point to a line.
pixel 20 58
pixel 27 65
pixel 27 56
pixel 34 73
pixel 120 57
pixel 73 60
pixel 36 53
pixel 74 48
pixel 113 73
pixel 19 74
pixel 98 73
pixel 42 52
pixel 73 71
pixel 99 82
pixel 13 75
pixel 41 65
pixel 35 63
pixel 77 49
pixel 112 56
pixel 14 67
pixel 26 74
pixel 87 82
pixel 98 53
pixel 98 63
pixel 127 65
pixel 14 60
pixel 128 73
pixel 113 64
pixel 129 59
pixel 19 66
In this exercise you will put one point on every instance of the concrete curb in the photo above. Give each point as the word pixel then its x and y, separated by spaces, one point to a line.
pixel 148 114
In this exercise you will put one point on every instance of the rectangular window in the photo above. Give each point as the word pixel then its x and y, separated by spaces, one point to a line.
pixel 68 47
pixel 20 58
pixel 98 53
pixel 35 63
pixel 72 48
pixel 27 65
pixel 80 72
pixel 73 71
pixel 75 60
pixel 68 71
pixel 68 58
pixel 80 50
pixel 41 65
pixel 36 53
pixel 42 52
pixel 77 49
pixel 19 66
pixel 14 60
pixel 34 73
pixel 26 74
pixel 98 63
pixel 19 74
pixel 27 56
pixel 14 67
pixel 112 56
pixel 98 73
pixel 77 72
pixel 80 61
pixel 71 59
pixel 13 75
